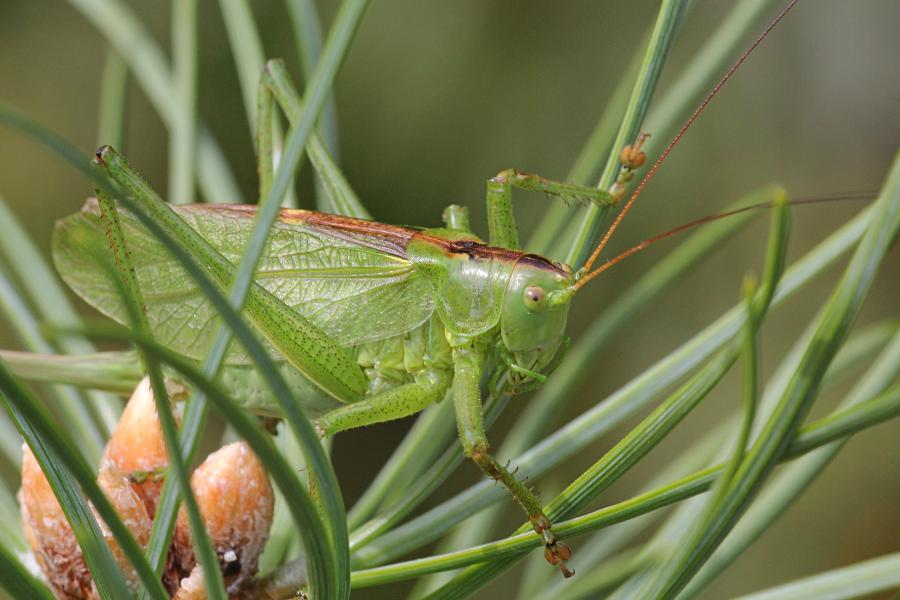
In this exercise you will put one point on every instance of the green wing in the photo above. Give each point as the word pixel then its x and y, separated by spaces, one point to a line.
pixel 354 292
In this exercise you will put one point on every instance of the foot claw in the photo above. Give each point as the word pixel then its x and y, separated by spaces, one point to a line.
pixel 563 551
pixel 556 553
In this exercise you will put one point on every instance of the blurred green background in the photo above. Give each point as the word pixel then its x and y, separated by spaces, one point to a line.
pixel 435 97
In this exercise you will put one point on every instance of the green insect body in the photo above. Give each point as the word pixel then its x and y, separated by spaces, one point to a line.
pixel 376 321
pixel 397 308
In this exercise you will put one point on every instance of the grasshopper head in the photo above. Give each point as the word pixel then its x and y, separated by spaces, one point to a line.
pixel 535 308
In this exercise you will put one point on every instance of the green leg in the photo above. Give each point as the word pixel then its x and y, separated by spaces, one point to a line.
pixel 502 228
pixel 397 403
pixel 502 224
pixel 457 217
pixel 467 361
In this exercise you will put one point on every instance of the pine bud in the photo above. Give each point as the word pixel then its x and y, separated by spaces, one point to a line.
pixel 192 587
pixel 49 535
pixel 236 502
pixel 137 447
pixel 131 511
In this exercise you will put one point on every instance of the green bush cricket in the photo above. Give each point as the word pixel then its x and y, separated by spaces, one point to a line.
pixel 384 319
pixel 381 321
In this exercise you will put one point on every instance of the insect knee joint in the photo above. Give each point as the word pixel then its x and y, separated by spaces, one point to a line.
pixel 504 176
pixel 479 455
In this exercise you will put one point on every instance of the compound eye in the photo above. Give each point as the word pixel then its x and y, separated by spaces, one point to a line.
pixel 535 298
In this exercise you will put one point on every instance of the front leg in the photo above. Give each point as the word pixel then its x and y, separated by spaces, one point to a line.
pixel 467 361
pixel 501 222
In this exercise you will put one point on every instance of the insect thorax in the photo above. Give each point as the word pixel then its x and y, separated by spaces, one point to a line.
pixel 420 353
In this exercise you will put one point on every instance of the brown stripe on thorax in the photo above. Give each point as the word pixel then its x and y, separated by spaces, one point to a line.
pixel 482 251
pixel 471 248
pixel 544 263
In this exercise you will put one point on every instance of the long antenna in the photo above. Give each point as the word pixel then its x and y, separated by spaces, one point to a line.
pixel 586 268
pixel 838 197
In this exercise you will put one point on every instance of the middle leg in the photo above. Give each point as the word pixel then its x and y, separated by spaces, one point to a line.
pixel 467 361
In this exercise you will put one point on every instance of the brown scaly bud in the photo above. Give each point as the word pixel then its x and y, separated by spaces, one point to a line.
pixel 137 448
pixel 131 511
pixel 236 502
pixel 51 539
pixel 192 586
pixel 631 156
pixel 49 535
